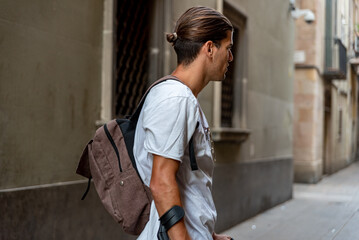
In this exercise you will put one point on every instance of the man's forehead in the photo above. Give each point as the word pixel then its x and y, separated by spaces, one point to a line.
pixel 228 41
pixel 229 38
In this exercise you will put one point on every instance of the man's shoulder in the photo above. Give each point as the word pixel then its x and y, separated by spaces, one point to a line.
pixel 170 89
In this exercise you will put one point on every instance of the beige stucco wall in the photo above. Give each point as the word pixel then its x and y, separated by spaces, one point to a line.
pixel 50 62
pixel 269 83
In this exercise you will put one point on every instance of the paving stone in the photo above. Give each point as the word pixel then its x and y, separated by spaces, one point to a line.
pixel 326 210
pixel 350 230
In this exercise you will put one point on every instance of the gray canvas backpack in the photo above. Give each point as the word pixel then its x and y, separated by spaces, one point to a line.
pixel 108 160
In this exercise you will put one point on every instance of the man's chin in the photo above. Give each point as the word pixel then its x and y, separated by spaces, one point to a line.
pixel 219 79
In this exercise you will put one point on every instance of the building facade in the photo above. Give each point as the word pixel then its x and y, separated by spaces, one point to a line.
pixel 66 68
pixel 326 90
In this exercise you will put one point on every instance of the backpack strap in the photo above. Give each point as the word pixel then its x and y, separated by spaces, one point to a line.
pixel 84 167
pixel 87 189
pixel 136 115
pixel 192 155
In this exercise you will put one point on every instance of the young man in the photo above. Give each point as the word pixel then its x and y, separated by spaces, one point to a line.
pixel 171 115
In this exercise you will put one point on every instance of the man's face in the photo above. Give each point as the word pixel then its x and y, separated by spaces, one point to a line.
pixel 223 57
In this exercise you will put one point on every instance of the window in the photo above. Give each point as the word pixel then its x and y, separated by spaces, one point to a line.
pixel 228 88
pixel 229 118
pixel 132 54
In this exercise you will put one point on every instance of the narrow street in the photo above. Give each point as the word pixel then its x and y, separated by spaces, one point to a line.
pixel 327 210
pixel 272 84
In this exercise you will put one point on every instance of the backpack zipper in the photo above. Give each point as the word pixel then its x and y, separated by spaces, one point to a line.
pixel 113 145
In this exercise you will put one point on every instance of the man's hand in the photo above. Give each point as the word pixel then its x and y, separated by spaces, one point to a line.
pixel 165 192
pixel 221 237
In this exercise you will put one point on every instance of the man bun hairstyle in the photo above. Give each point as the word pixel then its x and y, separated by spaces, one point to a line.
pixel 194 28
pixel 171 37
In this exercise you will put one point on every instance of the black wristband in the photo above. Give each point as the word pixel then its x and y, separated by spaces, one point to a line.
pixel 171 217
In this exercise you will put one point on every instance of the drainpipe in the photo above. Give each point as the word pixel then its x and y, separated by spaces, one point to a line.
pixel 328 34
pixel 217 89
pixel 220 6
pixel 106 113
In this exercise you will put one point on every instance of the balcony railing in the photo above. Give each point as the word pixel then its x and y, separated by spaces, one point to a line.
pixel 336 61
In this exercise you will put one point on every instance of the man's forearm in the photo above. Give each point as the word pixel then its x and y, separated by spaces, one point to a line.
pixel 165 192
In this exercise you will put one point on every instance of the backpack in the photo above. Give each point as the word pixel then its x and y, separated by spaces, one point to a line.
pixel 108 160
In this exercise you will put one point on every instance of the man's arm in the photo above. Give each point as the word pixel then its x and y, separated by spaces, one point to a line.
pixel 165 192
pixel 221 237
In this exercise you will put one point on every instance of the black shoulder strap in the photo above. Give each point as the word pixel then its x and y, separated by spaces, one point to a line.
pixel 87 189
pixel 136 115
pixel 192 155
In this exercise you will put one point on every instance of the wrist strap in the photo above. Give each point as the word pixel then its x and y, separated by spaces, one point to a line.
pixel 171 217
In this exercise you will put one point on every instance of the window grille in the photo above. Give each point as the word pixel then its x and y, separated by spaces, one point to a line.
pixel 336 60
pixel 228 87
pixel 132 52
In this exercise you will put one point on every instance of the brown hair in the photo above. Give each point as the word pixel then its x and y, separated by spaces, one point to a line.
pixel 195 27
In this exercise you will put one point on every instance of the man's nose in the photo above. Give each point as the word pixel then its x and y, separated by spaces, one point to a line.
pixel 230 57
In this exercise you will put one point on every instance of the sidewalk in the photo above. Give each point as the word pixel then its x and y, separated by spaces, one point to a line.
pixel 327 210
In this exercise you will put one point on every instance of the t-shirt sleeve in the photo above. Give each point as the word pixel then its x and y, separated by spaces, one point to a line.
pixel 169 125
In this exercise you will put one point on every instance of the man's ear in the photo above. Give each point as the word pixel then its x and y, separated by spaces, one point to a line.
pixel 208 48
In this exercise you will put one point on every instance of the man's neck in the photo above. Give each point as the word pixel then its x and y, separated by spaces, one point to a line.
pixel 192 75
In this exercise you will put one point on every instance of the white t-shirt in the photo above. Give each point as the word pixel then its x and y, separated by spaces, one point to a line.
pixel 166 124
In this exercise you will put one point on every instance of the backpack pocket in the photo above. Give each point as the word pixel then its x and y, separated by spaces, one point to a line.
pixel 131 201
